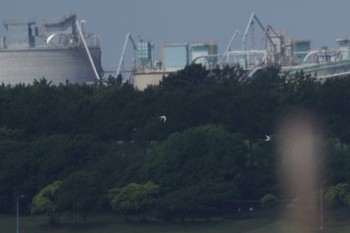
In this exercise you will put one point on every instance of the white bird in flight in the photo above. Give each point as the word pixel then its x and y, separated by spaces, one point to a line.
pixel 268 138
pixel 162 118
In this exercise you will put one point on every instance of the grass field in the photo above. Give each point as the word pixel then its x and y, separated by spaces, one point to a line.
pixel 111 224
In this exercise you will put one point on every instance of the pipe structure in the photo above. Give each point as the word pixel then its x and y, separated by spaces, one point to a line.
pixel 122 57
pixel 87 50
pixel 229 45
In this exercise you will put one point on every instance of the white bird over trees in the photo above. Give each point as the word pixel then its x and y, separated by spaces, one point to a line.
pixel 268 138
pixel 162 118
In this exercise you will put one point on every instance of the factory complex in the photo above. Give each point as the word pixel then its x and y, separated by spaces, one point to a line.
pixel 257 47
pixel 60 50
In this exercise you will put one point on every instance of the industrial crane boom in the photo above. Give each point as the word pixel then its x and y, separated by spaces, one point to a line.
pixel 121 61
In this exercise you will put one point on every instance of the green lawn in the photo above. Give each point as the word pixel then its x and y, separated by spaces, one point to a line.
pixel 111 224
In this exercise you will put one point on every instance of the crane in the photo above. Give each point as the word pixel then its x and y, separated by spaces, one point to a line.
pixel 250 23
pixel 121 61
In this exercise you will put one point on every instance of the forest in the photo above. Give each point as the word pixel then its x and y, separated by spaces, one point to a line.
pixel 103 147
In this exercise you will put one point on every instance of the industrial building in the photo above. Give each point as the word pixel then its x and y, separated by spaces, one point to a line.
pixel 344 47
pixel 146 71
pixel 300 49
pixel 175 56
pixel 60 50
pixel 256 49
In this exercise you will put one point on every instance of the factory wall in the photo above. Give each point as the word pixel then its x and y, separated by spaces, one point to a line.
pixel 176 56
pixel 344 48
pixel 301 49
pixel 142 80
pixel 200 53
pixel 56 65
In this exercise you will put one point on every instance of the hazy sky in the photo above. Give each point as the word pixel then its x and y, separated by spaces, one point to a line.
pixel 322 21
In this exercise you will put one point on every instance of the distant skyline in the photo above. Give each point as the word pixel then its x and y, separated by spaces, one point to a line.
pixel 322 21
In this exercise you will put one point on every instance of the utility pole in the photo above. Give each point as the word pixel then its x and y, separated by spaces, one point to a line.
pixel 321 206
pixel 17 213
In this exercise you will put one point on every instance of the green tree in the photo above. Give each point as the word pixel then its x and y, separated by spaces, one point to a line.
pixel 81 193
pixel 338 195
pixel 134 199
pixel 262 172
pixel 199 162
pixel 335 106
pixel 269 201
pixel 46 201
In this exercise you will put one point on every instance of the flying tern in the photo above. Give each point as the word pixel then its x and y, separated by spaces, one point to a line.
pixel 162 118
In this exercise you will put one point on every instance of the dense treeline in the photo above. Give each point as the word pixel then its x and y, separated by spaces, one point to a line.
pixel 209 152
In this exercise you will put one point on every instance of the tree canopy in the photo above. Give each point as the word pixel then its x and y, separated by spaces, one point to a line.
pixel 205 164
pixel 134 199
pixel 210 150
pixel 46 201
